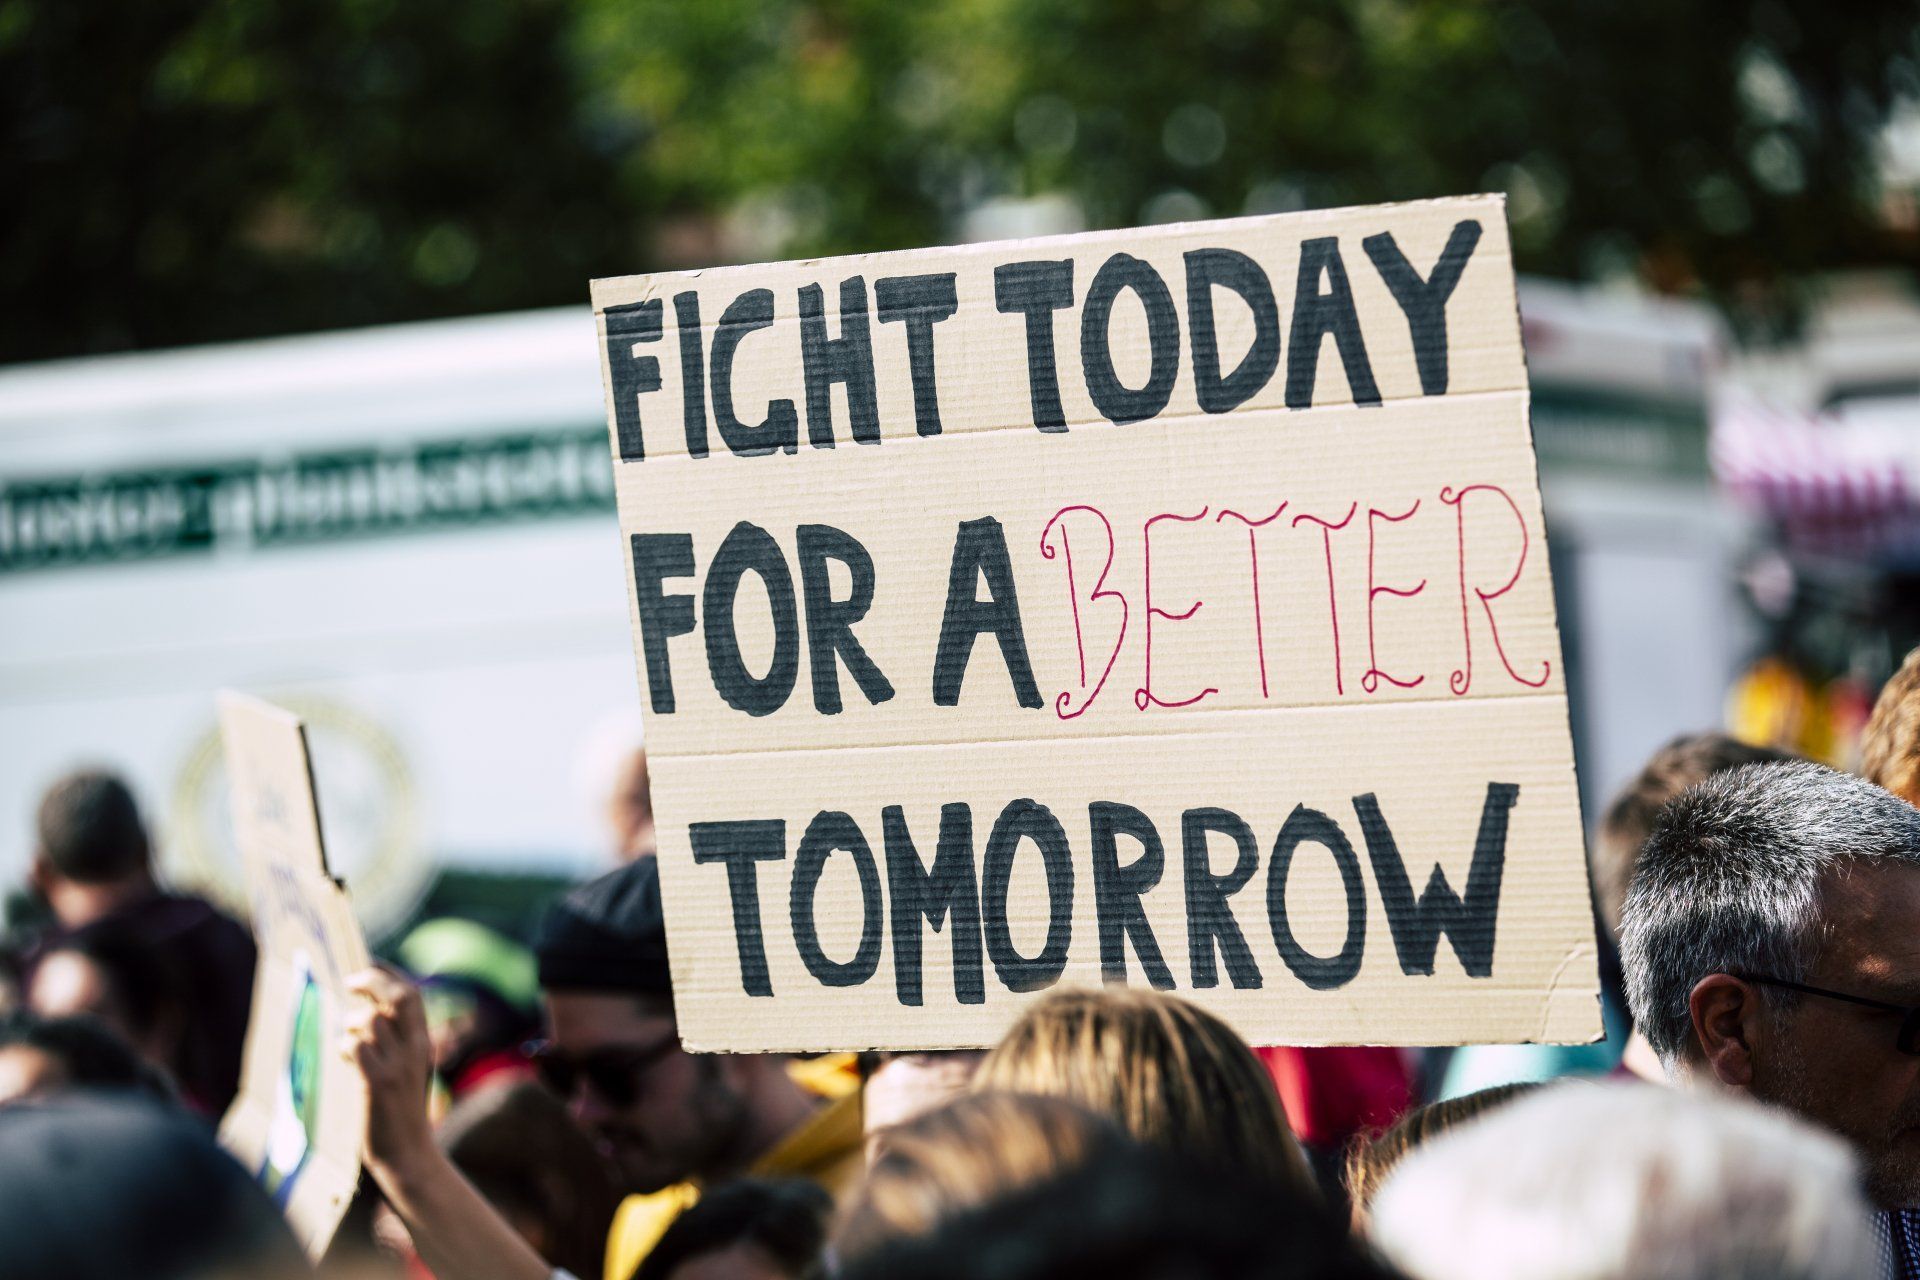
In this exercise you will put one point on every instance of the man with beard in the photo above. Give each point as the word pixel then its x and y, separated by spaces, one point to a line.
pixel 1771 945
pixel 670 1121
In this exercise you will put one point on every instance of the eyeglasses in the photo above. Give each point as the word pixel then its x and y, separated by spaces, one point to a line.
pixel 1908 1039
pixel 613 1072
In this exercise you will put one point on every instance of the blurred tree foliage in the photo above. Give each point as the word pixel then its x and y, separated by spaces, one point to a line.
pixel 181 171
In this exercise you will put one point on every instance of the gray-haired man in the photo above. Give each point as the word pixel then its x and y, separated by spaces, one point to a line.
pixel 1771 943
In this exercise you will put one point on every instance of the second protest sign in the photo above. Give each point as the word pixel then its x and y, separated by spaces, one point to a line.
pixel 301 1115
pixel 1166 606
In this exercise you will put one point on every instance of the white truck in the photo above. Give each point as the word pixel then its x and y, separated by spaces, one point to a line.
pixel 407 534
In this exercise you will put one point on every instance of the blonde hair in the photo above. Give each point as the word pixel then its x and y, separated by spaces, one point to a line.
pixel 1890 747
pixel 1167 1072
pixel 963 1155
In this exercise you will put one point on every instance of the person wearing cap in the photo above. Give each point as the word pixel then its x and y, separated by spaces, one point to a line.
pixel 671 1121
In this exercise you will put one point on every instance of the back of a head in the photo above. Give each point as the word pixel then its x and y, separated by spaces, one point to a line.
pixel 1890 747
pixel 960 1156
pixel 134 984
pixel 1167 1072
pixel 1371 1159
pixel 783 1222
pixel 90 831
pixel 1628 1182
pixel 1688 759
pixel 93 1188
pixel 518 1145
pixel 1140 1214
pixel 1730 881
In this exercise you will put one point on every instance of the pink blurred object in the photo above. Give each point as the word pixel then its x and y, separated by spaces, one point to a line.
pixel 1836 482
pixel 1333 1093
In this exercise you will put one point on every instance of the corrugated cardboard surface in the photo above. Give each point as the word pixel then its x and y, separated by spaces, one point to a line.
pixel 1434 495
pixel 302 924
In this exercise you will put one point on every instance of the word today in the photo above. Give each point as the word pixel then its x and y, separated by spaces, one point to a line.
pixel 1031 293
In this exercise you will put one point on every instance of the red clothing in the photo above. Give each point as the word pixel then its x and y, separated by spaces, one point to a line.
pixel 502 1066
pixel 1333 1093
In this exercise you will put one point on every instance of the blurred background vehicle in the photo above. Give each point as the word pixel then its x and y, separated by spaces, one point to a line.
pixel 405 534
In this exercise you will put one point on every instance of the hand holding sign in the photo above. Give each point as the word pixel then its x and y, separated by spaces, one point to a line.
pixel 1166 606
pixel 385 1036
pixel 455 1230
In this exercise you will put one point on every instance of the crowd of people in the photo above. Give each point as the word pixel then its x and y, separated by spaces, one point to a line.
pixel 532 1114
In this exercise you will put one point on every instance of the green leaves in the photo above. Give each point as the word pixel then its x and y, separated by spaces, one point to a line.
pixel 183 171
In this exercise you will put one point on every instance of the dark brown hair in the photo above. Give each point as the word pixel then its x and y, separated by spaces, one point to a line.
pixel 956 1158
pixel 521 1149
pixel 784 1219
pixel 89 828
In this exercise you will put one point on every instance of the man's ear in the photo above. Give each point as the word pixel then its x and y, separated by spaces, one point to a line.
pixel 1724 1011
pixel 40 874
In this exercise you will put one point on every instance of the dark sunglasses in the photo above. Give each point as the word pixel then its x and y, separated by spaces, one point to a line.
pixel 1907 1040
pixel 612 1072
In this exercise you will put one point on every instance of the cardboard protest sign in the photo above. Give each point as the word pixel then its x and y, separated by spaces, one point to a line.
pixel 301 1115
pixel 1166 606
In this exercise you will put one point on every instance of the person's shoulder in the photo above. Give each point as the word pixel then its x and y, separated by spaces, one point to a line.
pixel 829 1148
pixel 183 919
pixel 829 1075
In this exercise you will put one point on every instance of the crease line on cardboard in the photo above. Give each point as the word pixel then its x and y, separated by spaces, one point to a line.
pixel 660 752
pixel 1240 418
pixel 1557 979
